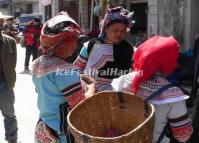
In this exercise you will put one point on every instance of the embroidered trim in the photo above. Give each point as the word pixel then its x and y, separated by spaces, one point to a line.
pixel 49 64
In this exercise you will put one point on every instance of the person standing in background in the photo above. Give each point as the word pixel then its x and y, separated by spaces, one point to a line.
pixel 8 58
pixel 32 34
pixel 9 29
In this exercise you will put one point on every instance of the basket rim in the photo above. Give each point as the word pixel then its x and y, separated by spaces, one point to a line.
pixel 110 138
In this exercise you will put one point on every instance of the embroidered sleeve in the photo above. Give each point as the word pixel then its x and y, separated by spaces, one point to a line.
pixel 82 59
pixel 73 94
pixel 70 86
pixel 179 121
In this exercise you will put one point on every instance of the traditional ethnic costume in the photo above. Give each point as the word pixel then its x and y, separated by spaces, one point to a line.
pixel 105 61
pixel 56 81
pixel 154 59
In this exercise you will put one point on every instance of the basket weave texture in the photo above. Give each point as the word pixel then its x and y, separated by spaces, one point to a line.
pixel 89 120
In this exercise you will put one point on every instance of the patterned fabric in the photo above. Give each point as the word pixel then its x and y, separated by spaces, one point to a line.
pixel 171 95
pixel 58 86
pixel 170 105
pixel 73 94
pixel 105 62
pixel 43 134
pixel 115 15
pixel 181 128
pixel 57 31
pixel 49 64
pixel 156 54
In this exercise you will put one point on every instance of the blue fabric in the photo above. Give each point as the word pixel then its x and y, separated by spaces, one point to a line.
pixel 63 139
pixel 50 96
pixel 84 53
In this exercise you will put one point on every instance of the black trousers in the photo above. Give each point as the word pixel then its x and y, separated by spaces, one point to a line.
pixel 30 50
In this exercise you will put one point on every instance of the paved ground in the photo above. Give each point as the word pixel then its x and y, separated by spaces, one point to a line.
pixel 25 104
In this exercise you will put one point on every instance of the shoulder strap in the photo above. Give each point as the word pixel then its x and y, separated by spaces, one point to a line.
pixel 163 133
pixel 155 94
pixel 159 91
pixel 91 44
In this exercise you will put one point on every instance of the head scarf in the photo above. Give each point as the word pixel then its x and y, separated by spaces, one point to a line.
pixel 57 31
pixel 156 54
pixel 115 15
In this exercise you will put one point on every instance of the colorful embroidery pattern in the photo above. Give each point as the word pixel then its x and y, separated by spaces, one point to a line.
pixel 43 134
pixel 48 64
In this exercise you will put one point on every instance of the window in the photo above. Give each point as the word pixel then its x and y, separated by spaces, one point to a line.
pixel 68 2
pixel 3 6
pixel 70 6
pixel 29 8
pixel 73 2
pixel 140 17
pixel 48 12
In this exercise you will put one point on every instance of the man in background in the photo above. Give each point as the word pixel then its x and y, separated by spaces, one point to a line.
pixel 8 58
pixel 32 34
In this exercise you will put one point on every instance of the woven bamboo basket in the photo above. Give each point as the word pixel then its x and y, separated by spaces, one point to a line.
pixel 89 120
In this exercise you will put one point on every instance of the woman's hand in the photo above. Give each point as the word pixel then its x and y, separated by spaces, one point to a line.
pixel 90 90
pixel 89 85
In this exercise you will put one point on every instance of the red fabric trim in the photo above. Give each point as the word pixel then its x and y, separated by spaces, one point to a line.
pixel 183 131
pixel 75 98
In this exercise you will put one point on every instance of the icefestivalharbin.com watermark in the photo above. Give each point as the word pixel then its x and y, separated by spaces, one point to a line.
pixel 94 72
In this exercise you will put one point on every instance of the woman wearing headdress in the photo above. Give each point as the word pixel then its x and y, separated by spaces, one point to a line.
pixel 154 60
pixel 110 55
pixel 57 82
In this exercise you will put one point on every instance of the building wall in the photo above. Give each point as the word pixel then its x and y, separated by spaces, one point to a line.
pixel 55 7
pixel 171 17
pixel 83 15
pixel 152 26
pixel 187 26
pixel 20 8
pixel 22 1
pixel 194 20
pixel 36 8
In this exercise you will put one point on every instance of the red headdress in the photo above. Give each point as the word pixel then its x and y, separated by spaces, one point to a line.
pixel 57 31
pixel 156 54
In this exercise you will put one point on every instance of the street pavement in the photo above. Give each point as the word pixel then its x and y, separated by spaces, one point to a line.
pixel 25 103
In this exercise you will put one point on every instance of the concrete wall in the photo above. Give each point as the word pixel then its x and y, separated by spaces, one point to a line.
pixel 172 17
pixel 55 7
pixel 25 1
pixel 187 25
pixel 152 26
pixel 194 20
pixel 83 15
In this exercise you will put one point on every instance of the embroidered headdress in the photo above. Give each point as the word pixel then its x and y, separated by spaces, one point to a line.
pixel 115 15
pixel 57 31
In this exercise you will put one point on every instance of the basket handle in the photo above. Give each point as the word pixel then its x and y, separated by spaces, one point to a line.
pixel 155 94
pixel 121 99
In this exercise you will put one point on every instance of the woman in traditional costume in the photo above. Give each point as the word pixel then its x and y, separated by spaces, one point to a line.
pixel 154 60
pixel 57 82
pixel 110 55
